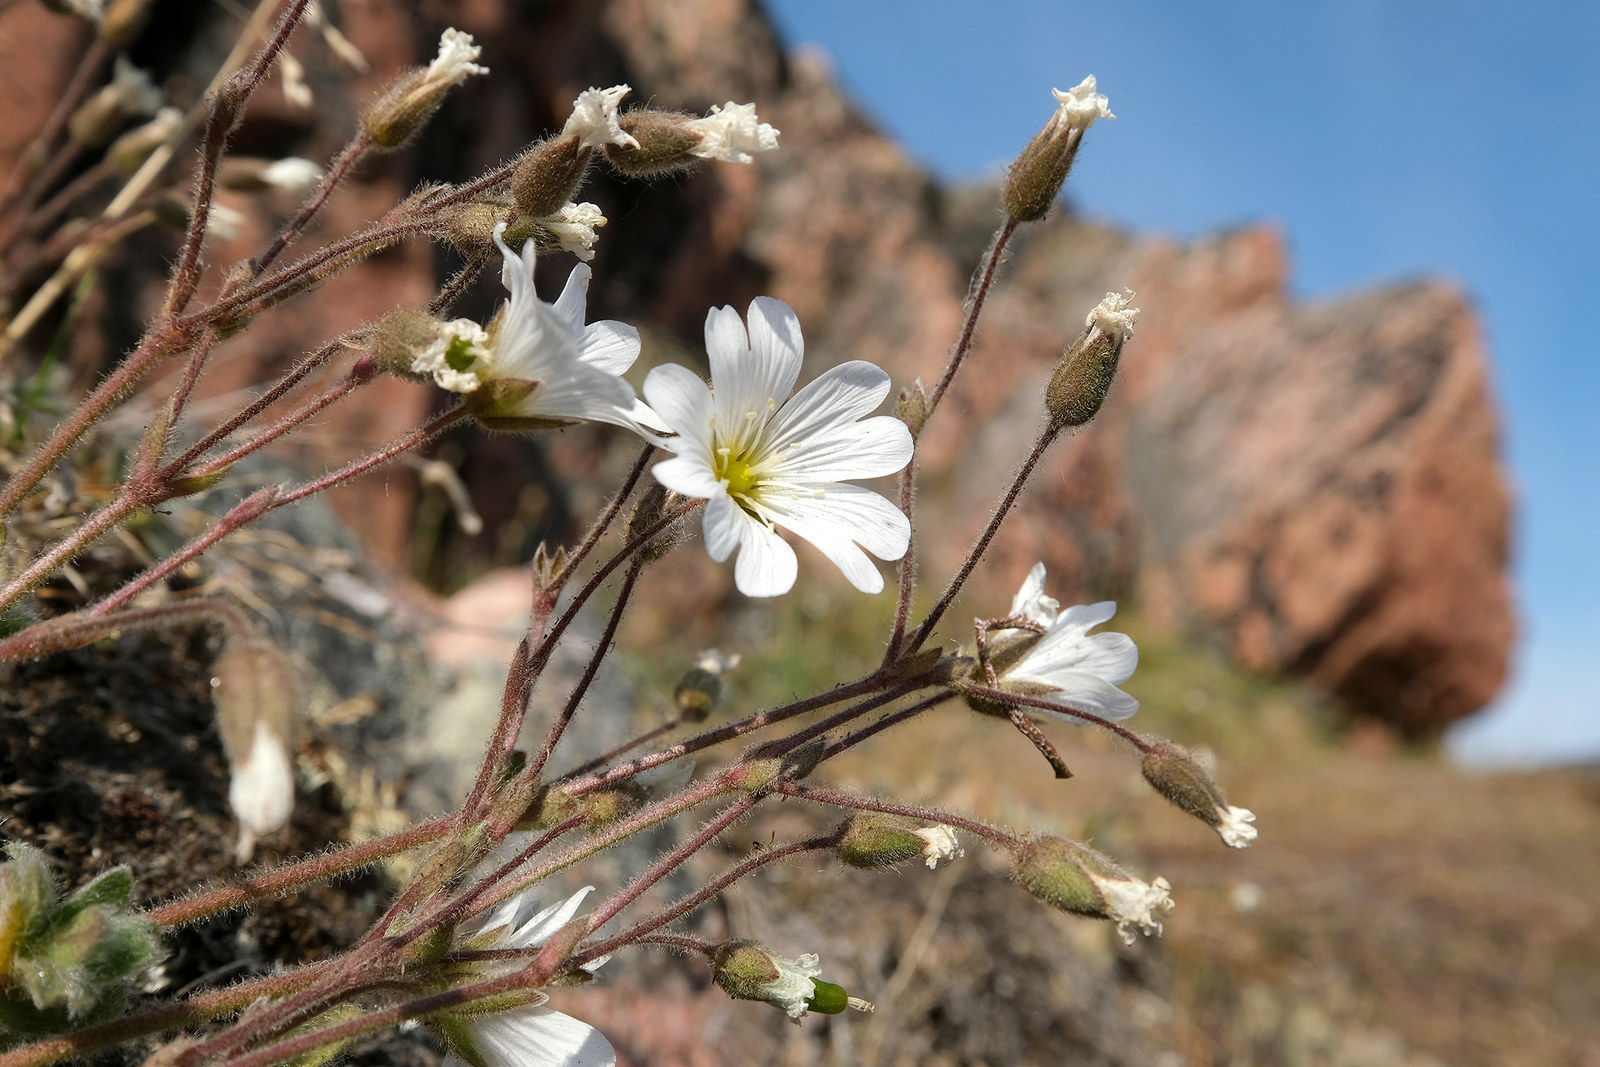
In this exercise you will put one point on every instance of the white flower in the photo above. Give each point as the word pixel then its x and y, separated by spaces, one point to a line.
pixel 292 175
pixel 261 791
pixel 1070 665
pixel 1079 107
pixel 793 989
pixel 760 466
pixel 457 355
pixel 942 845
pixel 1233 825
pixel 594 119
pixel 574 228
pixel 533 1035
pixel 223 222
pixel 549 368
pixel 454 63
pixel 730 133
pixel 131 91
pixel 1130 902
pixel 1113 317
pixel 716 661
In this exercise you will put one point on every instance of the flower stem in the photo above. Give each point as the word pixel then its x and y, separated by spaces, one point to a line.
pixel 839 799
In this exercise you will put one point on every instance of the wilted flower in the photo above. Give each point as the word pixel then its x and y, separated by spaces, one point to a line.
pixel 731 133
pixel 594 119
pixel 1079 107
pixel 760 465
pixel 574 228
pixel 454 62
pixel 942 845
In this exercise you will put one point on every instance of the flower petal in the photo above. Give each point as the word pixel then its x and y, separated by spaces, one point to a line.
pixel 608 344
pixel 838 396
pixel 573 301
pixel 539 1036
pixel 683 402
pixel 724 524
pixel 878 446
pixel 1032 603
pixel 766 565
pixel 1085 691
pixel 688 474
pixel 838 511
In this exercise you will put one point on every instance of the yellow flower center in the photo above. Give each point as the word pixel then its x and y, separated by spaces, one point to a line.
pixel 735 470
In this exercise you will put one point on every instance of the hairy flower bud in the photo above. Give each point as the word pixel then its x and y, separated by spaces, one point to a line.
pixel 1174 772
pixel 1075 878
pixel 548 175
pixel 470 226
pixel 667 142
pixel 746 971
pixel 291 175
pixel 1035 179
pixel 1083 377
pixel 254 690
pixel 407 104
pixel 130 93
pixel 872 839
pixel 128 152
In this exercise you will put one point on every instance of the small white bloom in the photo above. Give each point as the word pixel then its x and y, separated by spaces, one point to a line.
pixel 942 845
pixel 457 357
pixel 292 175
pixel 1130 902
pixel 533 1035
pixel 454 63
pixel 1074 667
pixel 572 371
pixel 1113 317
pixel 793 989
pixel 1234 827
pixel 261 791
pixel 574 228
pixel 760 465
pixel 1079 107
pixel 716 661
pixel 296 90
pixel 594 119
pixel 131 91
pixel 223 222
pixel 730 133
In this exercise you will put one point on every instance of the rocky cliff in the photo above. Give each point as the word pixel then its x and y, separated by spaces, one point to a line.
pixel 1314 487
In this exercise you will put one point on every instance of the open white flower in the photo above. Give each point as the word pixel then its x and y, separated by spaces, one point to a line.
pixel 761 461
pixel 533 1035
pixel 594 119
pixel 731 133
pixel 539 364
pixel 1067 664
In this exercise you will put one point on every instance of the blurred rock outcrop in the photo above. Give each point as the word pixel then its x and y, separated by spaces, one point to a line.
pixel 1314 487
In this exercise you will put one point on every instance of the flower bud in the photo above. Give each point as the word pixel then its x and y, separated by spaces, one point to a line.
pixel 254 691
pixel 1174 772
pixel 667 142
pixel 911 407
pixel 872 839
pixel 291 175
pixel 470 226
pixel 1035 179
pixel 128 152
pixel 410 101
pixel 1083 377
pixel 546 177
pixel 124 20
pixel 131 93
pixel 746 971
pixel 696 694
pixel 1075 878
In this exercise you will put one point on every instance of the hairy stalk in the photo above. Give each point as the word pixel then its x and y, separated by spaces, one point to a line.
pixel 246 511
pixel 982 544
pixel 854 802
pixel 435 426
pixel 536 765
pixel 672 860
pixel 604 520
pixel 686 904
pixel 458 285
pixel 315 406
pixel 81 628
pixel 88 70
pixel 969 326
pixel 338 170
pixel 296 875
pixel 1000 696
pixel 893 719
pixel 278 390
pixel 197 1008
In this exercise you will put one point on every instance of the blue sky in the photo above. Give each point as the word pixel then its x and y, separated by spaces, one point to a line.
pixel 1455 139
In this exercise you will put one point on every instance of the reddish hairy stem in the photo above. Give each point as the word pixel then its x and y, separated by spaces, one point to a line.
pixel 839 799
pixel 295 875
